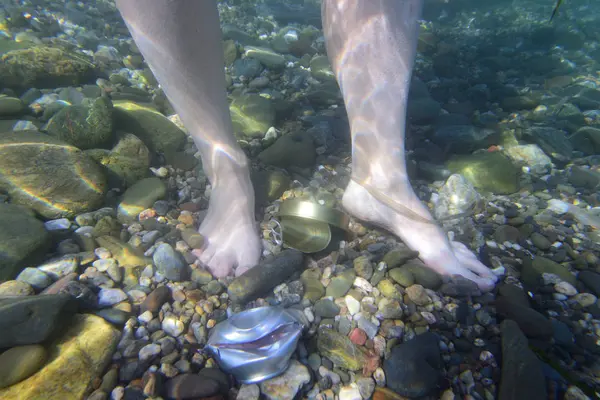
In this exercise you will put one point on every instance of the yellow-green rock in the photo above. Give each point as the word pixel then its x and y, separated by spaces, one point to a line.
pixel 313 288
pixel 340 350
pixel 45 67
pixel 127 163
pixel 20 363
pixel 76 359
pixel 488 171
pixel 84 127
pixel 154 129
pixel 320 69
pixel 252 115
pixel 23 240
pixel 52 177
pixel 139 197
pixel 125 255
pixel 389 290
pixel 10 106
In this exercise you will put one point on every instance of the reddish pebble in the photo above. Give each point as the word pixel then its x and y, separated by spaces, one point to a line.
pixel 147 214
pixel 190 206
pixel 358 336
pixel 186 218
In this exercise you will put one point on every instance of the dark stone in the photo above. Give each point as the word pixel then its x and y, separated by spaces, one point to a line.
pixel 522 375
pixel 156 299
pixel 190 386
pixel 531 322
pixel 263 277
pixel 591 280
pixel 413 368
pixel 32 319
pixel 216 375
pixel 83 295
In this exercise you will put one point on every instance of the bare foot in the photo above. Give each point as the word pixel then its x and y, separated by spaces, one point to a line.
pixel 445 257
pixel 230 230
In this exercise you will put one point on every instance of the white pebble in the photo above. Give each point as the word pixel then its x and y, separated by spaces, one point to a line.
pixel 379 376
pixel 149 351
pixel 145 317
pixel 335 378
pixel 350 392
pixel 172 326
pixel 363 284
pixel 309 315
pixel 565 288
pixel 102 253
pixel 57 224
pixel 104 264
pixel 585 299
pixel 352 304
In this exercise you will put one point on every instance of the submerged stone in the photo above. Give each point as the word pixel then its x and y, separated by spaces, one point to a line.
pixel 45 67
pixel 84 127
pixel 340 350
pixel 488 171
pixel 127 162
pixel 252 115
pixel 142 195
pixel 154 129
pixel 77 358
pixel 291 150
pixel 23 240
pixel 31 319
pixel 62 182
pixel 522 374
pixel 265 276
pixel 20 363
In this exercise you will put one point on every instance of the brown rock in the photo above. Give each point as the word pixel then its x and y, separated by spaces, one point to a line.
pixel 156 299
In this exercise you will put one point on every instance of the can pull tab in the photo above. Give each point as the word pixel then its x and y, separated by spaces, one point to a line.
pixel 276 232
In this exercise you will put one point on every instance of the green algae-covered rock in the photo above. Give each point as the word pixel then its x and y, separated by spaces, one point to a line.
pixel 269 185
pixel 488 171
pixel 76 361
pixel 340 350
pixel 23 240
pixel 48 175
pixel 10 106
pixel 320 69
pixel 586 140
pixel 44 67
pixel 139 197
pixel 291 150
pixel 126 163
pixel 153 128
pixel 266 56
pixel 252 115
pixel 532 271
pixel 84 127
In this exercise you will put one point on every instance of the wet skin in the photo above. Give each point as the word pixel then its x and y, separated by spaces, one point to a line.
pixel 371 46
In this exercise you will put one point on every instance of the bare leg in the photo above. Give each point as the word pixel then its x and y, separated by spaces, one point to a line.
pixel 371 46
pixel 181 41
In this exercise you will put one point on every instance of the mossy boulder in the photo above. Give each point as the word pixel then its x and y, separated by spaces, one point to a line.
pixel 23 240
pixel 126 163
pixel 252 115
pixel 84 127
pixel 488 171
pixel 291 150
pixel 51 177
pixel 156 131
pixel 586 140
pixel 45 67
pixel 77 359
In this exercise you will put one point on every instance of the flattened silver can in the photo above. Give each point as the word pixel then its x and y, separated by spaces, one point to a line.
pixel 256 344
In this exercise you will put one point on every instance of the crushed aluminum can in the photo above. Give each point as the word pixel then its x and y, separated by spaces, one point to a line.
pixel 307 226
pixel 256 344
